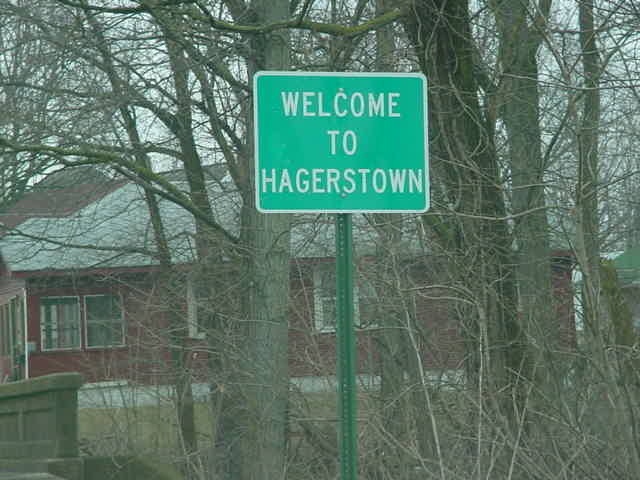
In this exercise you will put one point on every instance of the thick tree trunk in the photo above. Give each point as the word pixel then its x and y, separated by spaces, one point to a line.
pixel 518 106
pixel 265 238
pixel 588 231
pixel 393 347
pixel 391 339
pixel 606 321
pixel 465 163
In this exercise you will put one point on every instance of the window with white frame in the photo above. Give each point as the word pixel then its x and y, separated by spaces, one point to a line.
pixel 104 321
pixel 60 323
pixel 5 330
pixel 367 302
pixel 194 328
pixel 324 297
pixel 11 326
pixel 364 299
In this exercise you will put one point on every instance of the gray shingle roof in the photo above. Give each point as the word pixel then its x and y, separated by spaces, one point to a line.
pixel 115 231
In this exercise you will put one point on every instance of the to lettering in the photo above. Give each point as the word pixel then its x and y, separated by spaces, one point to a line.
pixel 349 141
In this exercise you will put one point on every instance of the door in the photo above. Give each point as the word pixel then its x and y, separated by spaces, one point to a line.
pixel 12 339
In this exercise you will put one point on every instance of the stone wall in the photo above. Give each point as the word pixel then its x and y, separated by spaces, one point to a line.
pixel 39 417
pixel 39 436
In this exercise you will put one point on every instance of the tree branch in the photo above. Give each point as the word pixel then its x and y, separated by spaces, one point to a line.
pixel 142 176
pixel 295 23
pixel 124 250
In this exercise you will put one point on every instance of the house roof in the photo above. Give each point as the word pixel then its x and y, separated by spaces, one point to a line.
pixel 111 231
pixel 110 227
pixel 59 194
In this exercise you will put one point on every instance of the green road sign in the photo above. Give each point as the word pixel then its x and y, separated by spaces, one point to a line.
pixel 341 142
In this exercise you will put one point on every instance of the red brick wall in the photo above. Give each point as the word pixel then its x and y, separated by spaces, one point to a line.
pixel 145 358
pixel 564 302
pixel 314 353
pixel 143 355
pixel 438 338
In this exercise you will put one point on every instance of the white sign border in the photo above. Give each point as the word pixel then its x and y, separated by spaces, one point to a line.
pixel 292 73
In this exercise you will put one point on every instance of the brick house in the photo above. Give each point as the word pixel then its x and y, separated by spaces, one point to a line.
pixel 77 292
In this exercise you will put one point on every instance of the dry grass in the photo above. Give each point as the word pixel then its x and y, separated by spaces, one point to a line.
pixel 149 430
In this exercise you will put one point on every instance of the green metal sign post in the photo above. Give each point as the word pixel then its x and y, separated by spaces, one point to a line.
pixel 347 388
pixel 341 143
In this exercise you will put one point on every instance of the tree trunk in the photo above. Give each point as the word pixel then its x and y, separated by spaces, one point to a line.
pixel 518 105
pixel 265 238
pixel 391 339
pixel 177 329
pixel 477 236
pixel 604 315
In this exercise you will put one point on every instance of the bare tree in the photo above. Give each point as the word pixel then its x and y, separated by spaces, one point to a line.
pixel 522 28
pixel 168 84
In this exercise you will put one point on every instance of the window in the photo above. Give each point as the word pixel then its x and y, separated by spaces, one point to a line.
pixel 324 295
pixel 5 332
pixel 367 302
pixel 11 327
pixel 364 298
pixel 195 329
pixel 60 323
pixel 104 321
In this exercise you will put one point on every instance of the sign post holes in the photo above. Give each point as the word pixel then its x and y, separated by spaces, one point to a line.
pixel 345 337
pixel 341 143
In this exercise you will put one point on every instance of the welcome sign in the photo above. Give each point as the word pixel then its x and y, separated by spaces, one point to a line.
pixel 340 142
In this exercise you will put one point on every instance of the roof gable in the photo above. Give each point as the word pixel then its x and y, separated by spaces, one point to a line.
pixel 60 194
pixel 112 228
